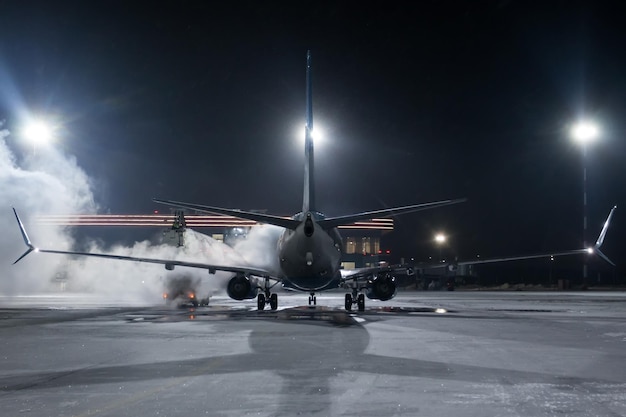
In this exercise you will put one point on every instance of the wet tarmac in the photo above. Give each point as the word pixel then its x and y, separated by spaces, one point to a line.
pixel 420 354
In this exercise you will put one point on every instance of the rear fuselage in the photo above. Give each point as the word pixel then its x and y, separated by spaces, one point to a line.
pixel 310 256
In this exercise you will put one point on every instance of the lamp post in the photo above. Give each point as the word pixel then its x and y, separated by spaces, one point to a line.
pixel 584 133
pixel 37 132
pixel 440 240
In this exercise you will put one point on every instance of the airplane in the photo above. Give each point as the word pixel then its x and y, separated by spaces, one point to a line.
pixel 309 250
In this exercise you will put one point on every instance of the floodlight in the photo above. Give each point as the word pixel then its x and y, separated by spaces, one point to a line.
pixel 585 132
pixel 38 132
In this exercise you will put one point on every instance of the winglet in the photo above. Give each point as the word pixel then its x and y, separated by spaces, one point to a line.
pixel 600 241
pixel 24 236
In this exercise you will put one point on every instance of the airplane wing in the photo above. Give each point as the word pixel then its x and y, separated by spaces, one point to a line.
pixel 594 250
pixel 169 263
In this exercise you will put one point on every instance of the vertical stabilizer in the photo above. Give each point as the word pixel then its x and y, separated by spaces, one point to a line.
pixel 308 201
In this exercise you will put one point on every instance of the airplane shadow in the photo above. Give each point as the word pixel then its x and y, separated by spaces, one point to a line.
pixel 306 348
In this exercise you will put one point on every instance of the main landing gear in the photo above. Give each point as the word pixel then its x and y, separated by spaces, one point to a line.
pixel 355 298
pixel 266 296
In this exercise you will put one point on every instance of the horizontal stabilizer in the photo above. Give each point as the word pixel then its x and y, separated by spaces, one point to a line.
pixel 285 222
pixel 331 222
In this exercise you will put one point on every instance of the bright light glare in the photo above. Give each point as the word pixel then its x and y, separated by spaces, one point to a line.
pixel 38 132
pixel 440 238
pixel 441 311
pixel 590 251
pixel 584 132
pixel 317 134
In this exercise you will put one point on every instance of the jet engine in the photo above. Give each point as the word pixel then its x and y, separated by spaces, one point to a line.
pixel 240 288
pixel 382 287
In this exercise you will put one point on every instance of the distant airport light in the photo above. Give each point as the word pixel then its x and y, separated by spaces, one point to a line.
pixel 440 238
pixel 585 132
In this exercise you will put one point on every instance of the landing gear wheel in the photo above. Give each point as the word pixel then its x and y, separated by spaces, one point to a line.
pixel 274 301
pixel 260 301
pixel 360 302
pixel 349 302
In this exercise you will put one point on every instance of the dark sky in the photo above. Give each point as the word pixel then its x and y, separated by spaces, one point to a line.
pixel 203 101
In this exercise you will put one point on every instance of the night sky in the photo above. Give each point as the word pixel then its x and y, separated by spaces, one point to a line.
pixel 421 101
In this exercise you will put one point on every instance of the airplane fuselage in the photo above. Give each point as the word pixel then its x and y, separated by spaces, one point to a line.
pixel 310 256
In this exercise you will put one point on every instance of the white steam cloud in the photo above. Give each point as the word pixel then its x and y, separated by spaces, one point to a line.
pixel 53 183
pixel 50 183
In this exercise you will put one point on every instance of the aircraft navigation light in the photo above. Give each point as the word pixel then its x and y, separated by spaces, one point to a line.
pixel 440 238
pixel 585 132
pixel 590 251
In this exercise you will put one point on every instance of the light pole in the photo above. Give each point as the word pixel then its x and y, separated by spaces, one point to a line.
pixel 584 133
pixel 38 132
pixel 440 240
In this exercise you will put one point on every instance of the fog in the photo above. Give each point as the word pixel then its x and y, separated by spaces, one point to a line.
pixel 49 182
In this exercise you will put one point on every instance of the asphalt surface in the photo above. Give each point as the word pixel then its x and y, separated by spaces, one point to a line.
pixel 420 354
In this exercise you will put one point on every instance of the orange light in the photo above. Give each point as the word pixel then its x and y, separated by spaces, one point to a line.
pixel 192 295
pixel 164 295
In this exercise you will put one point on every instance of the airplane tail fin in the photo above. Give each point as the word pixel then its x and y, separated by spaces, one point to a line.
pixel 600 241
pixel 308 200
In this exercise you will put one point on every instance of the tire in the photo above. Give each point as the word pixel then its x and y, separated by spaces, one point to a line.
pixel 349 302
pixel 360 301
pixel 260 301
pixel 274 301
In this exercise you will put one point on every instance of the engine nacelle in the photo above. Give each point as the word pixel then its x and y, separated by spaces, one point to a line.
pixel 240 288
pixel 382 287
